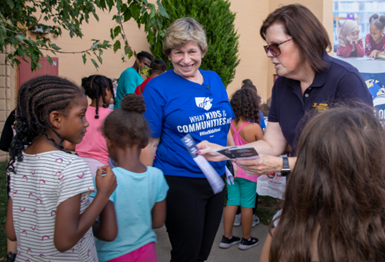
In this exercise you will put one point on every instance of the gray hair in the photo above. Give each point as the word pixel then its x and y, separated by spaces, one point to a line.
pixel 183 30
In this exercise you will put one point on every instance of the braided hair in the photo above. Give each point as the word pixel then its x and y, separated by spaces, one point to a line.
pixel 36 99
pixel 95 86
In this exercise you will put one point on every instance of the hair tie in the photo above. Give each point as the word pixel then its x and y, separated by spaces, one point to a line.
pixel 372 20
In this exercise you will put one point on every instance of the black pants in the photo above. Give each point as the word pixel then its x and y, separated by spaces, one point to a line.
pixel 193 217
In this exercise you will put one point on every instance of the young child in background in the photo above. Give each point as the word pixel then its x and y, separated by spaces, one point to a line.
pixel 48 211
pixel 245 129
pixel 334 204
pixel 375 41
pixel 140 195
pixel 93 148
pixel 157 67
pixel 349 41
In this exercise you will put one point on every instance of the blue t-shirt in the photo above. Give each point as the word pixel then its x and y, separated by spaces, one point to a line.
pixel 134 198
pixel 128 81
pixel 176 107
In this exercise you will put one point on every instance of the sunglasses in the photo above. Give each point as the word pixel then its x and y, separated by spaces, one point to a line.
pixel 274 48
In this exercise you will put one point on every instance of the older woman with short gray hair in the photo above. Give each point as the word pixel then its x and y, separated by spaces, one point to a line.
pixel 187 100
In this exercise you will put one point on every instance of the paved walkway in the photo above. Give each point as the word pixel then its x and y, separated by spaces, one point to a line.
pixel 233 254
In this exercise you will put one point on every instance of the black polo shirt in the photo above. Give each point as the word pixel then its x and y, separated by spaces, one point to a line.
pixel 340 82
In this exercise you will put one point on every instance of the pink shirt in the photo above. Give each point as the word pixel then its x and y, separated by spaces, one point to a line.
pixel 239 141
pixel 94 145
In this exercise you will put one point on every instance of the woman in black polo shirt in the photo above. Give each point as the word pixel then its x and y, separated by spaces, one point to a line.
pixel 309 80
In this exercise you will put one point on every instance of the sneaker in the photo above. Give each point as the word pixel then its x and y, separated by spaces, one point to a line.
pixel 237 221
pixel 11 257
pixel 228 242
pixel 255 220
pixel 246 244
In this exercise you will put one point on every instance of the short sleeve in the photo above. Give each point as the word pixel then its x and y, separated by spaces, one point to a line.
pixel 155 109
pixel 272 117
pixel 162 187
pixel 261 120
pixel 75 179
pixel 223 92
pixel 353 88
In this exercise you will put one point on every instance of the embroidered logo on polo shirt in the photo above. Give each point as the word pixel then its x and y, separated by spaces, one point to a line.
pixel 321 107
pixel 204 102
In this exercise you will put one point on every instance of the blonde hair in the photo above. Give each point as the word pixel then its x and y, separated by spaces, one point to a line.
pixel 183 30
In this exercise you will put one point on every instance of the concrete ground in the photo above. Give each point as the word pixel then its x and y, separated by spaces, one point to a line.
pixel 233 254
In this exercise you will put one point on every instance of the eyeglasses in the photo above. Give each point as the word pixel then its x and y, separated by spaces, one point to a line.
pixel 274 48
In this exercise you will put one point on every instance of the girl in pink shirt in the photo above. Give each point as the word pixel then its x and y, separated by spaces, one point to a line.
pixel 245 129
pixel 93 148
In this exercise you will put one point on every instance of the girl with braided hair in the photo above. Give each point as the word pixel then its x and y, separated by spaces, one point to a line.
pixel 93 148
pixel 49 186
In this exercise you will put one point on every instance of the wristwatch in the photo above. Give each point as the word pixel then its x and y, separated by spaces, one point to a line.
pixel 285 166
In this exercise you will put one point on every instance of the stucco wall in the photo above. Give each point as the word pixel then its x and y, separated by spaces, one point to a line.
pixel 71 65
pixel 253 65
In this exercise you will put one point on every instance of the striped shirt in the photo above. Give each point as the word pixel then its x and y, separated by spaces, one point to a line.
pixel 41 183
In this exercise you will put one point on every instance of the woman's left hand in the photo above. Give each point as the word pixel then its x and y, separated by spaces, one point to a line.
pixel 263 165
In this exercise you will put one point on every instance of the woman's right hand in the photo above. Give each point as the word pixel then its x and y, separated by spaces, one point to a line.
pixel 105 180
pixel 209 151
pixel 374 53
pixel 349 40
pixel 263 165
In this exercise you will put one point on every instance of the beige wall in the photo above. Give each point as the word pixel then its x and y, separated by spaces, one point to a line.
pixel 253 65
pixel 71 65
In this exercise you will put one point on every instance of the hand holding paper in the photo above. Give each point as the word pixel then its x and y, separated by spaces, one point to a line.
pixel 212 176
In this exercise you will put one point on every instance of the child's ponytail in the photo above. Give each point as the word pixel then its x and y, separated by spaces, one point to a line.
pixel 127 126
pixel 382 20
pixel 133 103
pixel 378 21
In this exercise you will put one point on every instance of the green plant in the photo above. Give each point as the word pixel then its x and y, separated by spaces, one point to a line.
pixel 17 17
pixel 218 21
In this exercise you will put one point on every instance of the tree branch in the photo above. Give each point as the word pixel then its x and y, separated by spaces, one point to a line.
pixel 143 5
pixel 57 51
pixel 10 30
pixel 125 37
